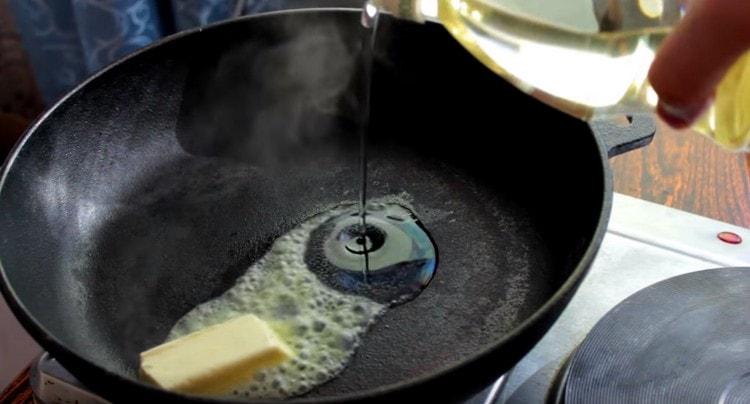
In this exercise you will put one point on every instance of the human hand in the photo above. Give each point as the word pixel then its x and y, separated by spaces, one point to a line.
pixel 696 55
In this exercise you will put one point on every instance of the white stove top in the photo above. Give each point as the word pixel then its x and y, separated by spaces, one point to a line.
pixel 645 243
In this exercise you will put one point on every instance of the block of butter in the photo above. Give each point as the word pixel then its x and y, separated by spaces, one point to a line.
pixel 216 359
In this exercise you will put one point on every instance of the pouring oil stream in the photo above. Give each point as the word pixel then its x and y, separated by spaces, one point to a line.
pixel 369 22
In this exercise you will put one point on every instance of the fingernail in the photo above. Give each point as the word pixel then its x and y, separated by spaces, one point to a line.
pixel 681 117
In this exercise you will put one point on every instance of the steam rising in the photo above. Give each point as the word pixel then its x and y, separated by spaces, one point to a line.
pixel 269 99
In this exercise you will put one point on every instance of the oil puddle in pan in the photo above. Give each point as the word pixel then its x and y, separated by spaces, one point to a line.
pixel 399 255
pixel 310 288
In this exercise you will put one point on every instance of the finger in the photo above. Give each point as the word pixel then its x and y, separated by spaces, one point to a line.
pixel 695 57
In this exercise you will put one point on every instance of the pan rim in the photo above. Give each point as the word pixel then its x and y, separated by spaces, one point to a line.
pixel 53 344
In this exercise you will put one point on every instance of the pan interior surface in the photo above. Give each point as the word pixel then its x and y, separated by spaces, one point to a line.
pixel 157 184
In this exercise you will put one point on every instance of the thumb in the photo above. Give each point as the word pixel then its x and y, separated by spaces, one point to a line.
pixel 695 57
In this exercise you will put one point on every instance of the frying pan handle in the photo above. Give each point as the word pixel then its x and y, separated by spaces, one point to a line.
pixel 619 138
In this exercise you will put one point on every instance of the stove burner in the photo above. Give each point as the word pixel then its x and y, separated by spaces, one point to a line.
pixel 682 340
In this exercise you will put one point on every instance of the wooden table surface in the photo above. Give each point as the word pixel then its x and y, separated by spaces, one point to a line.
pixel 687 171
pixel 679 169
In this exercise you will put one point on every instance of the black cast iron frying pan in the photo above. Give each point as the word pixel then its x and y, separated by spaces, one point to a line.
pixel 152 186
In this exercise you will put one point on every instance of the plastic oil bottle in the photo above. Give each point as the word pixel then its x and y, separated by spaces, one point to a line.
pixel 589 58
